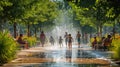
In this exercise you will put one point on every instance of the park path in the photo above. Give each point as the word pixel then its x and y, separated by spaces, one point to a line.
pixel 55 56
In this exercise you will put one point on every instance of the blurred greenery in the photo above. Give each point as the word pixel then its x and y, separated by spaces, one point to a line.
pixel 31 40
pixel 96 13
pixel 26 12
pixel 8 47
pixel 116 48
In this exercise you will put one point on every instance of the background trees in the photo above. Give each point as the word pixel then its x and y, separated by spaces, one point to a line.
pixel 23 16
pixel 96 13
pixel 26 12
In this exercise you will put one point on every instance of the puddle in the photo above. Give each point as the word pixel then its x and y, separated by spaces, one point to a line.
pixel 64 58
pixel 66 65
pixel 65 54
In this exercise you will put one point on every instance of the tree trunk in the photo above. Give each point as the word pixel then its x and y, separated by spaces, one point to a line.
pixel 1 25
pixel 76 1
pixel 28 30
pixel 35 32
pixel 40 28
pixel 97 30
pixel 15 29
pixel 114 30
pixel 100 27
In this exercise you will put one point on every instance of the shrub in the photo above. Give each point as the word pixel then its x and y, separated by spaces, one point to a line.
pixel 116 48
pixel 31 40
pixel 8 47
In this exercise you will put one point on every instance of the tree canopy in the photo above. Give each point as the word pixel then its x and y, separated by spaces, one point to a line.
pixel 27 11
pixel 96 13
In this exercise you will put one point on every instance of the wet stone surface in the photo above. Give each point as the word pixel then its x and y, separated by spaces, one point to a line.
pixel 66 65
pixel 65 54
pixel 60 57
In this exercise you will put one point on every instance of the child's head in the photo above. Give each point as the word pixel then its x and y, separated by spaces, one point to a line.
pixel 94 37
pixel 69 34
pixel 21 35
pixel 109 36
pixel 65 32
pixel 42 32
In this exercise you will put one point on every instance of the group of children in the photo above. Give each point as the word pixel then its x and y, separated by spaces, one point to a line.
pixel 104 43
pixel 68 40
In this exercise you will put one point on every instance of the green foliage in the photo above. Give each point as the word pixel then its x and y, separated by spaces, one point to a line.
pixel 31 40
pixel 86 3
pixel 42 11
pixel 110 13
pixel 4 3
pixel 27 11
pixel 39 13
pixel 95 13
pixel 88 29
pixel 8 47
pixel 48 11
pixel 15 10
pixel 116 48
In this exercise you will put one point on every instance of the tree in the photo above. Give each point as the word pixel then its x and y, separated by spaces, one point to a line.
pixel 15 11
pixel 96 12
pixel 47 15
pixel 21 11
pixel 3 4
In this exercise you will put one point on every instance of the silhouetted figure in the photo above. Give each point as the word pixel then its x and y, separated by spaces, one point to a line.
pixel 66 38
pixel 94 43
pixel 101 43
pixel 60 41
pixel 22 43
pixel 78 38
pixel 107 42
pixel 51 40
pixel 70 39
pixel 42 38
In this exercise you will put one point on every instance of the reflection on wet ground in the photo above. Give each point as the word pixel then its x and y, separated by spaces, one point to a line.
pixel 65 54
pixel 62 57
pixel 65 65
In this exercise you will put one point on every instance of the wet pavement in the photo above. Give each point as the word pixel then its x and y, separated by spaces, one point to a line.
pixel 54 56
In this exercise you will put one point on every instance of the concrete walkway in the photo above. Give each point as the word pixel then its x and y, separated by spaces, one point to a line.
pixel 61 57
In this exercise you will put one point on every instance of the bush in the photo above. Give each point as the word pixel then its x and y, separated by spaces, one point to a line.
pixel 116 48
pixel 8 48
pixel 31 40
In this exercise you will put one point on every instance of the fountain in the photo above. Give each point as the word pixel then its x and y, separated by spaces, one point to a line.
pixel 55 56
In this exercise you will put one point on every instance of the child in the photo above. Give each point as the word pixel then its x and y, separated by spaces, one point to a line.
pixel 42 38
pixel 60 41
pixel 66 38
pixel 70 39
pixel 51 40
pixel 94 43
pixel 107 42
pixel 78 38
